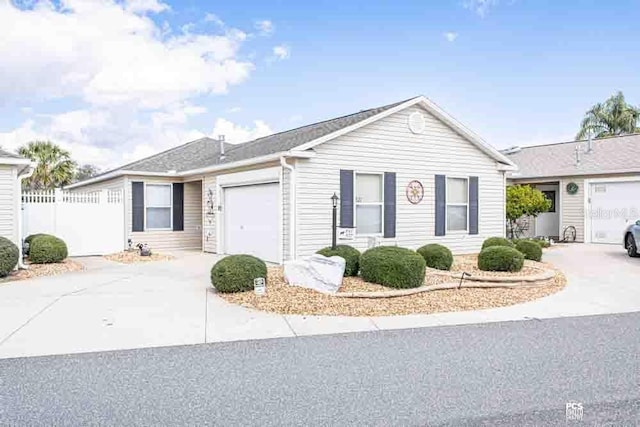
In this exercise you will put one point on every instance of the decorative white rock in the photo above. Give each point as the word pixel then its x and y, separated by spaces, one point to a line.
pixel 318 272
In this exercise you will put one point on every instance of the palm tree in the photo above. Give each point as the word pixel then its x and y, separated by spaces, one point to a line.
pixel 55 167
pixel 613 117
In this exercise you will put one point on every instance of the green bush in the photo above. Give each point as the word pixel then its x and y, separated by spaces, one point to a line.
pixel 530 249
pixel 350 254
pixel 542 242
pixel 236 273
pixel 393 266
pixel 30 237
pixel 9 253
pixel 500 258
pixel 437 256
pixel 496 241
pixel 46 249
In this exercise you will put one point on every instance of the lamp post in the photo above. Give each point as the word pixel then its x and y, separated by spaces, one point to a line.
pixel 334 230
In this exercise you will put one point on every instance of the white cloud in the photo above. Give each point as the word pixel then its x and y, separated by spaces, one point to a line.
pixel 235 133
pixel 481 7
pixel 211 17
pixel 450 36
pixel 265 27
pixel 142 6
pixel 130 79
pixel 281 52
pixel 234 109
pixel 111 53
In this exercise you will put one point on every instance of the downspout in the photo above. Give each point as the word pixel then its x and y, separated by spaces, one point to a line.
pixel 30 169
pixel 292 207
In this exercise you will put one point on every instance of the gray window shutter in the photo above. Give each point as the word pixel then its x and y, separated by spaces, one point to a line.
pixel 346 198
pixel 473 205
pixel 389 204
pixel 178 206
pixel 441 204
pixel 137 206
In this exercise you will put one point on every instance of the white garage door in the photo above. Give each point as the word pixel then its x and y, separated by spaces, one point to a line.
pixel 251 215
pixel 613 204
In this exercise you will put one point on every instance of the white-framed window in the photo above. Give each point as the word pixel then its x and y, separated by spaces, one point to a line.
pixel 369 197
pixel 158 206
pixel 457 204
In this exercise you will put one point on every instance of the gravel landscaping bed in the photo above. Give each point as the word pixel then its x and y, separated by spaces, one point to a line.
pixel 39 270
pixel 132 257
pixel 285 299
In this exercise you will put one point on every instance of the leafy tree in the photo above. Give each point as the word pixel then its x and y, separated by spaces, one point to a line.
pixel 524 200
pixel 613 117
pixel 55 167
pixel 85 172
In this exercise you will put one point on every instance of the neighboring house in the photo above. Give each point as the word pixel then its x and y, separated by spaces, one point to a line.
pixel 13 169
pixel 271 197
pixel 594 186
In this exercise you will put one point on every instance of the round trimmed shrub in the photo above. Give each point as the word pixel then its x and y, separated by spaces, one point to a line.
pixel 46 249
pixel 236 273
pixel 392 266
pixel 530 249
pixel 496 241
pixel 30 237
pixel 500 258
pixel 350 254
pixel 9 253
pixel 543 243
pixel 437 256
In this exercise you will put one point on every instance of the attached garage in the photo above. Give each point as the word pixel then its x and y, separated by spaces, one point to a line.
pixel 612 206
pixel 251 220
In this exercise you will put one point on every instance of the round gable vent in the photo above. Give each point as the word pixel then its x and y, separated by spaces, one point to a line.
pixel 416 122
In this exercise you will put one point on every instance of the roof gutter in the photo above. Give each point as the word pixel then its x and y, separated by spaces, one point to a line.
pixel 15 161
pixel 249 162
pixel 231 165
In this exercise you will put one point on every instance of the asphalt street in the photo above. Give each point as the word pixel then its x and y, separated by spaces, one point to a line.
pixel 512 373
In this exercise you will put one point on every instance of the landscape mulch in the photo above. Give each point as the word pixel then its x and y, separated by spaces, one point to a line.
pixel 132 257
pixel 286 299
pixel 40 270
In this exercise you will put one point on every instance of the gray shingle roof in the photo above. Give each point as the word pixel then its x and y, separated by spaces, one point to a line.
pixel 610 155
pixel 206 151
pixel 4 153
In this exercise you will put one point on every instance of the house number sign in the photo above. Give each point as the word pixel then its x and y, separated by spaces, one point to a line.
pixel 415 192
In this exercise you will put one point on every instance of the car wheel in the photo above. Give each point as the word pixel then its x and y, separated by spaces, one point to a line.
pixel 632 249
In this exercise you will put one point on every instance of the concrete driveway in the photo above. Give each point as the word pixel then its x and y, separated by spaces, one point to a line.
pixel 111 306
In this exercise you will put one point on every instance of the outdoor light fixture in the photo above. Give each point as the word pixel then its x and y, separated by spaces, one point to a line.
pixel 334 230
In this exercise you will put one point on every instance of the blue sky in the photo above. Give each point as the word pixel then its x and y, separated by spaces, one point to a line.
pixel 515 71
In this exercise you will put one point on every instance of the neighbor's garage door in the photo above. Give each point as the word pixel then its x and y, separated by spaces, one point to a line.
pixel 251 215
pixel 612 205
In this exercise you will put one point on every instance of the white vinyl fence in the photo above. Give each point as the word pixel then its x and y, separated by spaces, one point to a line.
pixel 90 223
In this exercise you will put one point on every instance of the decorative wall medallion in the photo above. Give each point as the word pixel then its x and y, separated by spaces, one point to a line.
pixel 572 188
pixel 415 192
pixel 417 122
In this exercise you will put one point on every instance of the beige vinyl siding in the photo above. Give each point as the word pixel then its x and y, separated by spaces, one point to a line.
pixel 389 146
pixel 572 209
pixel 164 240
pixel 113 184
pixel 8 189
pixel 209 215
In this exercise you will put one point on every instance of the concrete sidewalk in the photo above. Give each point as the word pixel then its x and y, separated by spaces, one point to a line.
pixel 112 306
